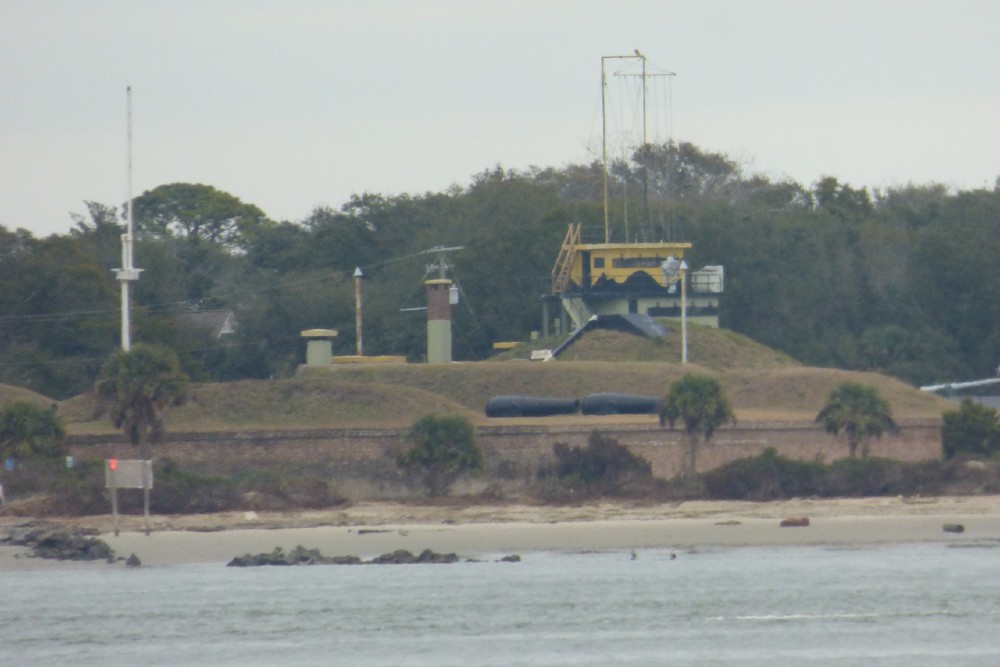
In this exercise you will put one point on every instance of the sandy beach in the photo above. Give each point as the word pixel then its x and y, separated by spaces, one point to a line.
pixel 483 531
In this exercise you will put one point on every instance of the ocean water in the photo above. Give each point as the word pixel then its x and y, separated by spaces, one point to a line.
pixel 905 605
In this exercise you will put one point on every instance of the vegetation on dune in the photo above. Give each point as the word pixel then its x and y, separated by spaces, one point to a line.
pixel 59 491
pixel 770 476
pixel 604 468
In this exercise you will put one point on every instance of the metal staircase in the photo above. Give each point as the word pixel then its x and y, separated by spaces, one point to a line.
pixel 564 262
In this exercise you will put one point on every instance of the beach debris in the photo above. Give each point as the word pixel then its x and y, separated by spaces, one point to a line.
pixel 635 556
pixel 133 561
pixel 673 556
pixel 795 522
pixel 730 522
pixel 302 556
pixel 954 528
pixel 511 558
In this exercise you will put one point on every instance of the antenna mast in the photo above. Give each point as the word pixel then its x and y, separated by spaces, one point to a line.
pixel 128 273
pixel 637 55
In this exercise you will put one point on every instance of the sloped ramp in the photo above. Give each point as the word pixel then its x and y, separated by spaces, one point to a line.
pixel 588 325
pixel 640 325
pixel 635 324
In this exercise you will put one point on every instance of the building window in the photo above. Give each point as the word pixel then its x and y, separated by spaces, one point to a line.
pixel 598 262
pixel 636 262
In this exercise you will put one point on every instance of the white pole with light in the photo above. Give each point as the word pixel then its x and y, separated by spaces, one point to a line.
pixel 128 273
pixel 357 308
pixel 684 312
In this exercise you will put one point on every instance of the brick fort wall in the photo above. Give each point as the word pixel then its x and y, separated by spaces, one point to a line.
pixel 353 451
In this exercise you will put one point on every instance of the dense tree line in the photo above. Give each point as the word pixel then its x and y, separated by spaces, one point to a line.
pixel 901 281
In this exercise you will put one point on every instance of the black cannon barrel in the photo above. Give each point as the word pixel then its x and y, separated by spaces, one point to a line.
pixel 619 404
pixel 530 406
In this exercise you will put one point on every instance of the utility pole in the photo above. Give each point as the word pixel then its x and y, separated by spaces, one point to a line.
pixel 684 313
pixel 357 307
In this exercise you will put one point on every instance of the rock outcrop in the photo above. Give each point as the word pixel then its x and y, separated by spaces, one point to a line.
pixel 795 522
pixel 302 556
pixel 47 541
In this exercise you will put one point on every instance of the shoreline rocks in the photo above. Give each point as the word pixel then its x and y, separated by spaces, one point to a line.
pixel 302 556
pixel 47 541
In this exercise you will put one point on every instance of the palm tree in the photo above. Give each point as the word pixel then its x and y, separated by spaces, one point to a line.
pixel 858 410
pixel 698 402
pixel 138 387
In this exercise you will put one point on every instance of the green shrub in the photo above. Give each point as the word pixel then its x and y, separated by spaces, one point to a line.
pixel 603 467
pixel 768 476
pixel 973 429
pixel 442 449
pixel 863 477
pixel 54 490
pixel 178 491
pixel 30 432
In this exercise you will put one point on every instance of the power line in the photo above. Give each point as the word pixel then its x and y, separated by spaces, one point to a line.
pixel 165 306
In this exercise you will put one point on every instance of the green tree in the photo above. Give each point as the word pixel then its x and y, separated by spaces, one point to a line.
pixel 102 233
pixel 697 401
pixel 30 432
pixel 972 429
pixel 138 387
pixel 442 448
pixel 55 302
pixel 197 212
pixel 859 411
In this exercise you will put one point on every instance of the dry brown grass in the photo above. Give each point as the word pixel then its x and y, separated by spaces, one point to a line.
pixel 717 349
pixel 762 385
pixel 10 393
pixel 805 390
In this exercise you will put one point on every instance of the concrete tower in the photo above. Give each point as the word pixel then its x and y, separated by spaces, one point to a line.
pixel 440 295
pixel 438 321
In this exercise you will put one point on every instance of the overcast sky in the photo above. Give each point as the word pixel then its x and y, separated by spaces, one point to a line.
pixel 296 104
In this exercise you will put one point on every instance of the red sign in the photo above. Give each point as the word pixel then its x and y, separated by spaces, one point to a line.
pixel 113 464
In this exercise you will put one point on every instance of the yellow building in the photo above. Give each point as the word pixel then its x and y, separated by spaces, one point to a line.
pixel 591 279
